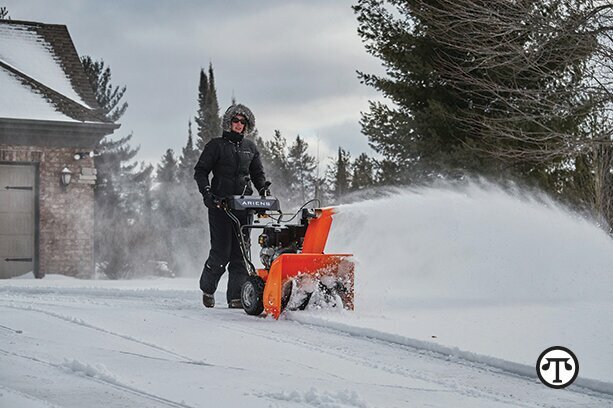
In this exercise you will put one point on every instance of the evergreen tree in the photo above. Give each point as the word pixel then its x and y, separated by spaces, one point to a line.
pixel 480 87
pixel 167 168
pixel 207 118
pixel 302 167
pixel 340 175
pixel 142 193
pixel 182 214
pixel 108 97
pixel 274 158
pixel 121 191
pixel 114 167
pixel 141 243
pixel 167 194
pixel 188 159
pixel 212 113
pixel 203 89
pixel 122 199
pixel 363 169
pixel 324 188
pixel 415 134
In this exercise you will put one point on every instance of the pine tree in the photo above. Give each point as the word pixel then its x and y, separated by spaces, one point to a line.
pixel 4 14
pixel 363 169
pixel 114 168
pixel 200 119
pixel 207 118
pixel 414 135
pixel 274 158
pixel 302 167
pixel 340 175
pixel 142 248
pixel 180 212
pixel 212 113
pixel 108 97
pixel 324 188
pixel 167 169
pixel 188 159
pixel 121 191
pixel 113 161
pixel 167 195
pixel 481 86
pixel 142 193
pixel 119 199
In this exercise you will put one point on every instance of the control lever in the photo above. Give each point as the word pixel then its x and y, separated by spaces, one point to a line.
pixel 264 191
pixel 247 180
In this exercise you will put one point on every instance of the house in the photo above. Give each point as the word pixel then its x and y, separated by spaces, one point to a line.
pixel 50 124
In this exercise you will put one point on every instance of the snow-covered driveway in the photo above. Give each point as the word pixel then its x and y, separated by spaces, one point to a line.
pixel 100 344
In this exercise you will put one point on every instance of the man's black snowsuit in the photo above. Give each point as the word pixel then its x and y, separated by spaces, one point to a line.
pixel 230 158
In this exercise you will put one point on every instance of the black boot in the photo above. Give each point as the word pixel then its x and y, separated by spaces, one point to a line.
pixel 235 304
pixel 208 300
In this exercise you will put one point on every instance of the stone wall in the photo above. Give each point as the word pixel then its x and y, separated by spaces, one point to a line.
pixel 66 213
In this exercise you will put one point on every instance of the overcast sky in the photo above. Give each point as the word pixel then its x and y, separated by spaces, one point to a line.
pixel 292 62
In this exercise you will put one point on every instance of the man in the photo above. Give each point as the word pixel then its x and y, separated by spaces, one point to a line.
pixel 233 158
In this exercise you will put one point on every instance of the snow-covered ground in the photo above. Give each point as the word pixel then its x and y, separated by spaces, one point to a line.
pixel 458 291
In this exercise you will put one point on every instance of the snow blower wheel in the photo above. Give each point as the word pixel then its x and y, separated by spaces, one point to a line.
pixel 252 294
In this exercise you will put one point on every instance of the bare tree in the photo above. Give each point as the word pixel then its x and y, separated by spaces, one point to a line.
pixel 531 72
pixel 4 14
pixel 538 81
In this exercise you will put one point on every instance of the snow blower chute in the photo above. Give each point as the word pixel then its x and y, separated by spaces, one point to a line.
pixel 295 266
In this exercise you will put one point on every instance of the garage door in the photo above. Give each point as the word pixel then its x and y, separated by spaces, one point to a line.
pixel 17 219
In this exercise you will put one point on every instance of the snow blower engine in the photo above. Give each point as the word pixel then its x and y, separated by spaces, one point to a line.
pixel 296 271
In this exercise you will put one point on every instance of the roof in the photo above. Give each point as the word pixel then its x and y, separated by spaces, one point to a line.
pixel 42 77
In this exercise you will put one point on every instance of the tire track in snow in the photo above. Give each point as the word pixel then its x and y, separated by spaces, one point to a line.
pixel 28 397
pixel 587 387
pixel 82 323
pixel 102 380
pixel 172 305
pixel 413 347
pixel 420 352
pixel 346 353
pixel 393 367
pixel 10 329
pixel 453 359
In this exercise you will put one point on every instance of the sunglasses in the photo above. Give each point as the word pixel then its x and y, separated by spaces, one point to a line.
pixel 242 121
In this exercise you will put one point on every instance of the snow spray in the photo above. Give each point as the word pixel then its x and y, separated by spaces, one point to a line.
pixel 475 243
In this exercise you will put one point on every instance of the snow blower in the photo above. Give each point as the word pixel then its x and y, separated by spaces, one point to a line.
pixel 296 270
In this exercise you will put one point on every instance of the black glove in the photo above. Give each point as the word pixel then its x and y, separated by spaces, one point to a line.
pixel 265 191
pixel 209 199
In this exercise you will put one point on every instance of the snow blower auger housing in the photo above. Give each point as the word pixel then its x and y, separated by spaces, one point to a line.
pixel 295 266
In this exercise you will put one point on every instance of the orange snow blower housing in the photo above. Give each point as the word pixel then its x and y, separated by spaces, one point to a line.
pixel 295 266
pixel 310 261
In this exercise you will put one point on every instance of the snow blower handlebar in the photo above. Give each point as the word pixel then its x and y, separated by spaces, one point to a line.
pixel 264 191
pixel 260 205
pixel 251 204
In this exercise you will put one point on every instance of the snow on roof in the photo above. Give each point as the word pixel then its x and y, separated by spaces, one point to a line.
pixel 24 49
pixel 22 102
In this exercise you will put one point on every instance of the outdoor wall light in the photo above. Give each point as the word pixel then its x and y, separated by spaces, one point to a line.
pixel 82 155
pixel 65 176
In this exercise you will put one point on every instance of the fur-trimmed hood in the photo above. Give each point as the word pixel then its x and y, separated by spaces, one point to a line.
pixel 238 109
